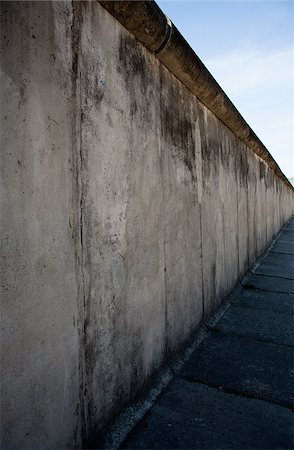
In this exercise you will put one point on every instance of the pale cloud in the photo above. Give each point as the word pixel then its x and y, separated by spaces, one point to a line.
pixel 240 71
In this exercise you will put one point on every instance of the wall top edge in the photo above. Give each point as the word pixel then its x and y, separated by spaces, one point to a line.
pixel 149 25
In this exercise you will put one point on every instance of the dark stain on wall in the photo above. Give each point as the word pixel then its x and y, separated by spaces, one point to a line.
pixel 176 123
pixel 77 214
pixel 177 131
pixel 210 143
pixel 136 72
pixel 264 174
pixel 243 168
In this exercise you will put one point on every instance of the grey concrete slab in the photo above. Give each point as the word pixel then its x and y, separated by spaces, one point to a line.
pixel 193 416
pixel 255 369
pixel 273 269
pixel 283 248
pixel 285 240
pixel 283 260
pixel 290 227
pixel 287 233
pixel 270 283
pixel 281 303
pixel 263 325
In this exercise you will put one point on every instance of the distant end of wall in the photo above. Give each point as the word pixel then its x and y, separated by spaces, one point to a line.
pixel 149 25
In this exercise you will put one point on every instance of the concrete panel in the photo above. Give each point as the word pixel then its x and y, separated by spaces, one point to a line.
pixel 179 145
pixel 219 211
pixel 213 235
pixel 243 208
pixel 39 229
pixel 122 215
pixel 252 200
pixel 229 198
pixel 263 201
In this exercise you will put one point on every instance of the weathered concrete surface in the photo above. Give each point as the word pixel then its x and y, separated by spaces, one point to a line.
pixel 126 216
pixel 255 374
pixel 39 255
pixel 195 416
pixel 271 283
pixel 268 326
pixel 236 391
pixel 156 32
pixel 272 301
pixel 283 270
pixel 283 248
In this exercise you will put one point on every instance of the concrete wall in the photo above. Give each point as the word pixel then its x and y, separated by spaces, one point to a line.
pixel 128 211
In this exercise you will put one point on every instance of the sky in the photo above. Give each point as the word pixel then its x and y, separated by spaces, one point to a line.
pixel 248 47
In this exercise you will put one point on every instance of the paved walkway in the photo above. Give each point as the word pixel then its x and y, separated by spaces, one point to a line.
pixel 236 390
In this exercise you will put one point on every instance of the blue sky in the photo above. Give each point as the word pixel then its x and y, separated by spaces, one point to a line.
pixel 248 48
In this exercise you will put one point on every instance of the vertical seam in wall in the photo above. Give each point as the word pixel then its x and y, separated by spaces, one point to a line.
pixel 83 328
pixel 77 97
pixel 81 196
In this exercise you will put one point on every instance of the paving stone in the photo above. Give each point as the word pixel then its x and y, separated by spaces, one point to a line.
pixel 290 227
pixel 286 240
pixel 281 247
pixel 280 260
pixel 281 303
pixel 274 269
pixel 194 416
pixel 287 232
pixel 240 365
pixel 270 283
pixel 264 325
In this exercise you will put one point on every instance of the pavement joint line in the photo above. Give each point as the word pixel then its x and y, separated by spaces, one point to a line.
pixel 281 253
pixel 233 391
pixel 234 306
pixel 272 276
pixel 283 293
pixel 117 431
pixel 251 287
pixel 250 338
